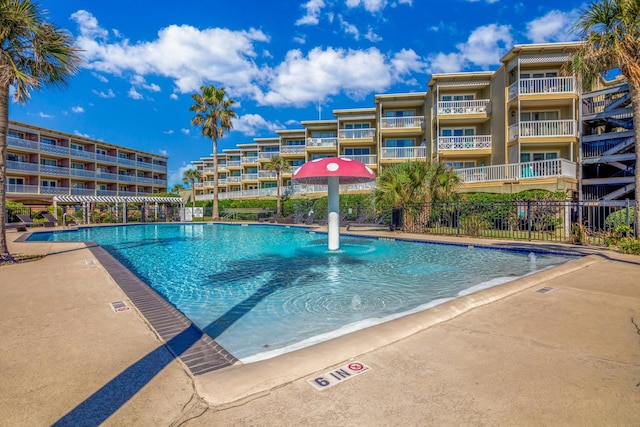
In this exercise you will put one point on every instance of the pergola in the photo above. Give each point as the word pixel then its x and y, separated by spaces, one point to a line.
pixel 86 201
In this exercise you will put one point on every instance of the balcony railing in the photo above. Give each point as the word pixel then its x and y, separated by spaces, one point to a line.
pixel 543 128
pixel 389 153
pixel 54 190
pixel 82 154
pixel 519 171
pixel 297 189
pixel 125 161
pixel 249 176
pixel 542 85
pixel 83 191
pixel 402 122
pixel 55 149
pixel 106 193
pixel 367 159
pixel 127 178
pixel 267 155
pixel 476 142
pixel 82 173
pixel 477 106
pixel 22 166
pixel 234 179
pixel 367 133
pixel 322 142
pixel 106 158
pixel 249 160
pixel 107 175
pixel 292 149
pixel 54 170
pixel 22 143
pixel 267 174
pixel 21 188
pixel 233 163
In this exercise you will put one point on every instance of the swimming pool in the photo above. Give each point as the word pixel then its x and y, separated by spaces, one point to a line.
pixel 264 290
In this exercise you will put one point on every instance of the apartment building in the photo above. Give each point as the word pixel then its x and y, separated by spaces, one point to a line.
pixel 43 163
pixel 513 129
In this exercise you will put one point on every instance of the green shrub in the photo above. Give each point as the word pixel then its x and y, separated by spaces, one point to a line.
pixel 619 218
pixel 629 245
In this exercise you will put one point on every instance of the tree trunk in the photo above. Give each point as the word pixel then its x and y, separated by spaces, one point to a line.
pixel 215 215
pixel 4 131
pixel 278 184
pixel 634 90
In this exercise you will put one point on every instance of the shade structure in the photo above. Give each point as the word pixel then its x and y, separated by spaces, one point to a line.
pixel 333 171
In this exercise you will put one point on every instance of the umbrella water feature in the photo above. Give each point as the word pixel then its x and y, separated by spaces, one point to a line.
pixel 333 171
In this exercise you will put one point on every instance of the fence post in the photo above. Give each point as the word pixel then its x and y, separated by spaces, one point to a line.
pixel 458 217
pixel 627 220
pixel 529 220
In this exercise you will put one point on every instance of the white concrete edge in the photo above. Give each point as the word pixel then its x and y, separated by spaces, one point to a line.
pixel 238 383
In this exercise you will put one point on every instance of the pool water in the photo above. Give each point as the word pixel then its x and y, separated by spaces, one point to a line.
pixel 264 290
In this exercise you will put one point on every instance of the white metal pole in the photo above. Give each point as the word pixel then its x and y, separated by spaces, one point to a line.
pixel 333 217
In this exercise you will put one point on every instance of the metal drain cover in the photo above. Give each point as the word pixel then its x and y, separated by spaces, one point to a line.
pixel 545 290
pixel 119 306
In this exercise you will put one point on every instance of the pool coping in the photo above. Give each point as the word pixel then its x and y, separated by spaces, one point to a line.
pixel 222 380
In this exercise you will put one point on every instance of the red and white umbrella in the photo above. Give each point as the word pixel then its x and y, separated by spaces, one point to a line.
pixel 333 171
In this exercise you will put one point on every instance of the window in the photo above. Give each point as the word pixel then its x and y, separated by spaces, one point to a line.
pixel 459 165
pixel 140 174
pixel 77 166
pixel 295 142
pixel 538 74
pixel 48 162
pixel 390 143
pixel 457 132
pixel 535 116
pixel 123 188
pixel 46 183
pixel 271 149
pixel 16 181
pixel 122 172
pixel 101 151
pixel 16 158
pixel 103 169
pixel 296 163
pixel 466 97
pixel 357 126
pixel 14 134
pixel 357 151
pixel 122 156
pixel 319 156
pixel 325 134
pixel 536 157
pixel 45 140
pixel 77 147
pixel 102 187
pixel 77 185
pixel 400 113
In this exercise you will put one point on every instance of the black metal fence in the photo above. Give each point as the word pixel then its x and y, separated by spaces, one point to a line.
pixel 548 220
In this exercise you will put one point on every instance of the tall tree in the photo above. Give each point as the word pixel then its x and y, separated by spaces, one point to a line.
pixel 33 54
pixel 176 189
pixel 214 114
pixel 280 166
pixel 190 177
pixel 610 31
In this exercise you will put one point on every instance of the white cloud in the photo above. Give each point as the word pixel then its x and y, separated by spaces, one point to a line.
pixel 348 28
pixel 372 37
pixel 108 94
pixel 175 177
pixel 185 131
pixel 162 152
pixel 369 5
pixel 301 79
pixel 78 133
pixel 139 81
pixel 133 94
pixel 100 77
pixel 300 39
pixel 312 9
pixel 45 115
pixel 484 48
pixel 168 132
pixel 186 54
pixel 251 124
pixel 553 27
pixel 77 109
pixel 173 97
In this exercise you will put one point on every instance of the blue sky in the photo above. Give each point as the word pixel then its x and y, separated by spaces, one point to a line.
pixel 280 60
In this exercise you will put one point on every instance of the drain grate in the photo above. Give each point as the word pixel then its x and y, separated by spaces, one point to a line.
pixel 119 306
pixel 88 261
pixel 545 290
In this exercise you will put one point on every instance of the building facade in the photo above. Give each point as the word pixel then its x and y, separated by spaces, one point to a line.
pixel 43 163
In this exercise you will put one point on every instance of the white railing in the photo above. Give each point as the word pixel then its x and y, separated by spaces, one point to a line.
pixel 292 149
pixel 144 165
pixel 366 133
pixel 160 182
pixel 127 178
pixel 83 191
pixel 402 122
pixel 74 152
pixel 249 177
pixel 367 159
pixel 143 180
pixel 544 128
pixel 21 188
pixel 231 179
pixel 83 173
pixel 54 190
pixel 55 149
pixel 519 171
pixel 267 174
pixel 267 155
pixel 476 142
pixel 106 193
pixel 22 166
pixel 542 85
pixel 322 142
pixel 477 106
pixel 22 143
pixel 233 163
pixel 107 175
pixel 106 158
pixel 296 189
pixel 54 170
pixel 125 161
pixel 249 160
pixel 402 152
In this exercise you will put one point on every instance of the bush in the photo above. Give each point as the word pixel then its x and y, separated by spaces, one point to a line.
pixel 619 218
pixel 629 245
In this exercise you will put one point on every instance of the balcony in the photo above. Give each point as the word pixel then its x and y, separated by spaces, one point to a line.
pixel 250 160
pixel 233 164
pixel 22 166
pixel 107 176
pixel 402 153
pixel 106 158
pixel 267 155
pixel 144 165
pixel 126 161
pixel 543 129
pixel 54 149
pixel 54 170
pixel 542 86
pixel 54 190
pixel 459 108
pixel 106 193
pixel 367 134
pixel 405 123
pixel 126 178
pixel 22 143
pixel 249 177
pixel 144 181
pixel 292 149
pixel 83 154
pixel 459 143
pixel 234 179
pixel 21 188
pixel 519 171
pixel 322 142
pixel 367 159
pixel 84 173
pixel 82 191
pixel 267 174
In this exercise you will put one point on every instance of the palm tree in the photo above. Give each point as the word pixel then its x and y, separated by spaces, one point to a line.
pixel 279 165
pixel 214 114
pixel 33 54
pixel 610 30
pixel 190 177
pixel 176 189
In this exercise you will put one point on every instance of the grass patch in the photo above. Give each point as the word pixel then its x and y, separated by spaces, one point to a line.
pixel 19 258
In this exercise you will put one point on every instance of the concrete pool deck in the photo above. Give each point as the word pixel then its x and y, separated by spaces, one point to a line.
pixel 505 356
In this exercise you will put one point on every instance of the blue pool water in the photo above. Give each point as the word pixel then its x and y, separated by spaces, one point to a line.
pixel 264 290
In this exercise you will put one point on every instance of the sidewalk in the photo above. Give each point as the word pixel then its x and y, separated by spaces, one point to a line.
pixel 567 357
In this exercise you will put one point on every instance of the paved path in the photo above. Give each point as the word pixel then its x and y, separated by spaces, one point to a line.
pixel 567 357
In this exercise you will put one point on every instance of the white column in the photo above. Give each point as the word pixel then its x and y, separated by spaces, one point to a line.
pixel 333 216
